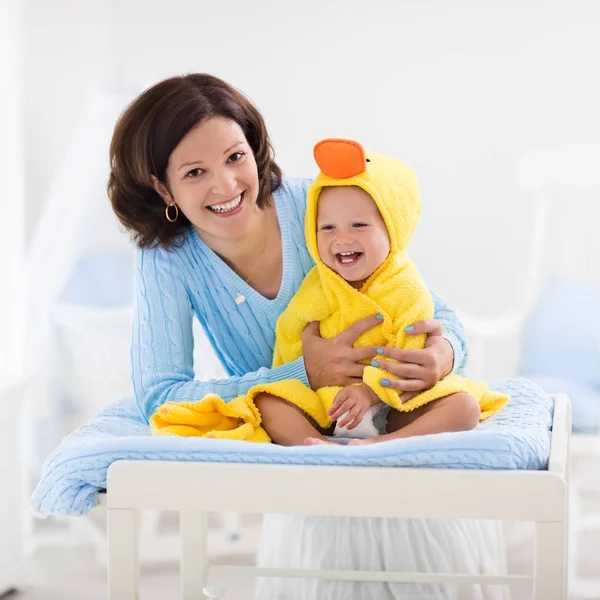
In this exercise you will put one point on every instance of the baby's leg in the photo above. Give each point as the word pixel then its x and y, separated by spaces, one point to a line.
pixel 456 412
pixel 285 423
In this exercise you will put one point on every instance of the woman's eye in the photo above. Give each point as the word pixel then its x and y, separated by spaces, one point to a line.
pixel 235 157
pixel 194 173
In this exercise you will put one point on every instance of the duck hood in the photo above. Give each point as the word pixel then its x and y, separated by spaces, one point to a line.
pixel 392 185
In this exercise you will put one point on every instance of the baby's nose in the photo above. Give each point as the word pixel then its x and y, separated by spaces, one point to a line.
pixel 344 242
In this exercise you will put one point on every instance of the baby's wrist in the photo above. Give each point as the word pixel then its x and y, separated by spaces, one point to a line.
pixel 373 397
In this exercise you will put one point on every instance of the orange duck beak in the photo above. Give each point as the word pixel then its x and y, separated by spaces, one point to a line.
pixel 340 159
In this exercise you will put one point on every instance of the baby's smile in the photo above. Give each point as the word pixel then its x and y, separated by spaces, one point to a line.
pixel 348 259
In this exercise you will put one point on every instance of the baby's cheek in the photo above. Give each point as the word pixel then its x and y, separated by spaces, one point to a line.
pixel 321 248
pixel 326 256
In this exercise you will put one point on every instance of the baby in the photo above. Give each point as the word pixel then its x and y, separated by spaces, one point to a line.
pixel 367 208
pixel 353 241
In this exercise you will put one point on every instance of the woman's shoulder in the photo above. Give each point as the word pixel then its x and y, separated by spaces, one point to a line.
pixel 164 259
pixel 292 193
pixel 295 185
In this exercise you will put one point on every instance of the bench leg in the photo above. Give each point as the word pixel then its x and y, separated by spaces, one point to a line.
pixel 550 561
pixel 194 560
pixel 123 553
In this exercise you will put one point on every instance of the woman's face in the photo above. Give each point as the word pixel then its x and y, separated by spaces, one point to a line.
pixel 213 179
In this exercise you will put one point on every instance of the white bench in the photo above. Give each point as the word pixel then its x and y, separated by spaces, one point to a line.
pixel 538 496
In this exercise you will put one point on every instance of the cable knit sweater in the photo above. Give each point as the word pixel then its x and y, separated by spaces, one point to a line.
pixel 174 285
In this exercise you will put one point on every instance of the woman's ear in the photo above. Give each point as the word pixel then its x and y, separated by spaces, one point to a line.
pixel 162 191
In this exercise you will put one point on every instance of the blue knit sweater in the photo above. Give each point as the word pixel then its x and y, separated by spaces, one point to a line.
pixel 173 286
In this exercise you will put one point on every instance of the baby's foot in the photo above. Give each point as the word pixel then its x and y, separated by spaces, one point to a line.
pixel 312 441
pixel 366 442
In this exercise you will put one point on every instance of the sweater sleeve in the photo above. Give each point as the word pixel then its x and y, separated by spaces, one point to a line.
pixel 162 342
pixel 453 332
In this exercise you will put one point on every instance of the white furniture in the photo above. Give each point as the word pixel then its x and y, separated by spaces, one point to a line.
pixel 539 496
pixel 563 243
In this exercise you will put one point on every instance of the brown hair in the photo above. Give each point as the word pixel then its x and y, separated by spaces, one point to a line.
pixel 149 130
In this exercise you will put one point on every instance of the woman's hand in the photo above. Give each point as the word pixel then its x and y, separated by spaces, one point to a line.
pixel 420 369
pixel 335 361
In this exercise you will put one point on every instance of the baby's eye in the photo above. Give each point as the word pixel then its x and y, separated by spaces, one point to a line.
pixel 195 173
pixel 327 227
pixel 235 157
pixel 359 225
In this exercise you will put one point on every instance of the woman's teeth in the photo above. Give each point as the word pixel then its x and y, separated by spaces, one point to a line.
pixel 227 206
pixel 347 258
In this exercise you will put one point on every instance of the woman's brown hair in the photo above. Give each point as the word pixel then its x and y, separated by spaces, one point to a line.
pixel 149 130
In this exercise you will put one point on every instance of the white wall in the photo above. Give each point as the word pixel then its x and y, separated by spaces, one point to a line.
pixel 12 193
pixel 459 90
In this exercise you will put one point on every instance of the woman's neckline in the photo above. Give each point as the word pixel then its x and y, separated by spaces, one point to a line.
pixel 234 283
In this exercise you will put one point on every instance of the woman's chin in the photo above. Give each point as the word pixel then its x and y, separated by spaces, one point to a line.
pixel 234 229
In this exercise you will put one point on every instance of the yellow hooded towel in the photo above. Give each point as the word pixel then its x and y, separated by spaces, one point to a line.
pixel 395 290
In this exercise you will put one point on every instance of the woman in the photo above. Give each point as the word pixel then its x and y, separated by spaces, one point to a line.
pixel 221 236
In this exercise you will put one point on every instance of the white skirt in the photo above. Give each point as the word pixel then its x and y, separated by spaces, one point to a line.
pixel 404 545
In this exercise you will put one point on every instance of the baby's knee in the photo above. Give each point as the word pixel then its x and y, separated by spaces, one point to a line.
pixel 467 409
pixel 266 402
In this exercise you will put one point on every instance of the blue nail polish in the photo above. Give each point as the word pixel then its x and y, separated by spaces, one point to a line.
pixel 409 329
pixel 380 317
pixel 374 363
pixel 384 382
pixel 379 350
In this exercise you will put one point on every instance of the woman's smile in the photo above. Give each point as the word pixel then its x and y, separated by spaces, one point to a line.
pixel 229 207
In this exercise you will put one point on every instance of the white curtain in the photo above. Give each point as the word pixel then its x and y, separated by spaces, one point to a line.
pixel 76 227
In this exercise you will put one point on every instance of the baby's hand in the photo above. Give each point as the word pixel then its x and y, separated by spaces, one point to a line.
pixel 352 401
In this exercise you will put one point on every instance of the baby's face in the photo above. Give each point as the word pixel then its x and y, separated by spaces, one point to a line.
pixel 352 238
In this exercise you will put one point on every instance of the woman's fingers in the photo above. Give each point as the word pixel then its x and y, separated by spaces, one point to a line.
pixel 405 370
pixel 417 370
pixel 334 361
pixel 406 396
pixel 363 353
pixel 354 370
pixel 352 333
pixel 427 326
pixel 311 330
pixel 406 385
pixel 416 357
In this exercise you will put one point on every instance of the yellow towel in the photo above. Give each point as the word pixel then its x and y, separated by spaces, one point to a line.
pixel 395 290
pixel 210 417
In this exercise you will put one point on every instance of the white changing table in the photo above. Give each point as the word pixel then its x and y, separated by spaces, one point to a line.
pixel 539 496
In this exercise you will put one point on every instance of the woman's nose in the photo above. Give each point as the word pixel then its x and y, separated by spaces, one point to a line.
pixel 224 183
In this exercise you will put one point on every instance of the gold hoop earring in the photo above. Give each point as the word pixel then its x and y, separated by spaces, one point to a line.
pixel 176 213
